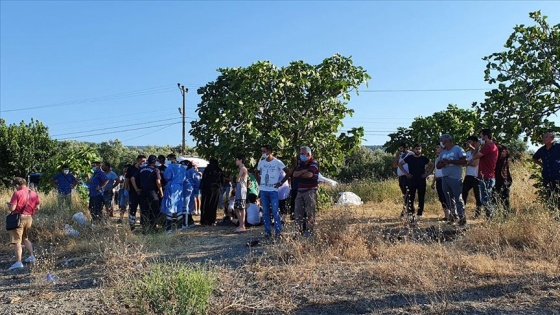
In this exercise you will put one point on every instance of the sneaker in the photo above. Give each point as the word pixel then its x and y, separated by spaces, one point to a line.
pixel 410 218
pixel 17 265
pixel 463 221
pixel 30 259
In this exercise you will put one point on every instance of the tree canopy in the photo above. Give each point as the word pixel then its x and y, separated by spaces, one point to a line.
pixel 287 107
pixel 459 123
pixel 25 149
pixel 528 78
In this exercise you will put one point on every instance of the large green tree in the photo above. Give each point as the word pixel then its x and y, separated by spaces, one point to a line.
pixel 25 148
pixel 528 76
pixel 287 107
pixel 459 123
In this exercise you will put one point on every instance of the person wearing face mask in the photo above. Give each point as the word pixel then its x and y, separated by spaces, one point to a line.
pixel 133 190
pixel 488 156
pixel 268 172
pixel 96 183
pixel 548 157
pixel 64 182
pixel 307 173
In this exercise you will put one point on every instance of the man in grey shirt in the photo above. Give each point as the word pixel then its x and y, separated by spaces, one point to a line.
pixel 451 161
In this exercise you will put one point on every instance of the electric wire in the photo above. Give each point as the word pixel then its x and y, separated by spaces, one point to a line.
pixel 111 132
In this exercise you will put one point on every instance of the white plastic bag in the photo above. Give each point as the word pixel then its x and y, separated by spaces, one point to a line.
pixel 80 218
pixel 70 231
pixel 348 198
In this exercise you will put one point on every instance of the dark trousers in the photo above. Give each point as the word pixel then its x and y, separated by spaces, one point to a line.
pixel 95 207
pixel 133 200
pixel 149 209
pixel 501 193
pixel 293 195
pixel 471 182
pixel 552 190
pixel 415 185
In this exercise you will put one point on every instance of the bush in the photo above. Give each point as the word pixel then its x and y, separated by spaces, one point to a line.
pixel 171 288
pixel 367 164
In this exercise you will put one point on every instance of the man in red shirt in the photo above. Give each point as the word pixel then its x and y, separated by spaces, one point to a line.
pixel 488 156
pixel 25 202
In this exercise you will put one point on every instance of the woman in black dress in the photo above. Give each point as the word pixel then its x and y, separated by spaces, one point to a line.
pixel 210 189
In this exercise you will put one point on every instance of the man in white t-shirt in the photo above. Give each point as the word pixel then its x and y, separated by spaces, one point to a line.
pixel 471 181
pixel 268 173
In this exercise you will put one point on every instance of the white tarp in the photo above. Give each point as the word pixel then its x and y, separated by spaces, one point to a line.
pixel 348 198
pixel 201 163
pixel 80 218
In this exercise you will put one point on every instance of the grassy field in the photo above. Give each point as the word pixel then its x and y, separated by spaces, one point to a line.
pixel 360 261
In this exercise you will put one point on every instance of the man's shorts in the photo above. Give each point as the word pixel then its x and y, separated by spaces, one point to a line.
pixel 22 232
pixel 239 204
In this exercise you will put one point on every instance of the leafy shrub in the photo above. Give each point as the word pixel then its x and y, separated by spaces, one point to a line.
pixel 364 164
pixel 171 288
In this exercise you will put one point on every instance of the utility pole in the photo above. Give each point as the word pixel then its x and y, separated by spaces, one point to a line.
pixel 184 92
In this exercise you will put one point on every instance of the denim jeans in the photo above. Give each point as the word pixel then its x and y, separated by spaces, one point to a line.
pixel 486 186
pixel 452 188
pixel 268 199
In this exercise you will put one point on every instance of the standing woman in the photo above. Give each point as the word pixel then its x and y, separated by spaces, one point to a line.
pixel 503 178
pixel 210 188
pixel 191 187
pixel 25 202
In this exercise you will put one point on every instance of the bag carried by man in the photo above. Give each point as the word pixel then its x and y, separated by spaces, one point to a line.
pixel 13 220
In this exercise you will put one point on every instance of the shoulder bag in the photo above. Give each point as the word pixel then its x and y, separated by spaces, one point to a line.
pixel 13 220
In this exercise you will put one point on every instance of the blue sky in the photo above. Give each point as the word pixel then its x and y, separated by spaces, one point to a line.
pixel 102 70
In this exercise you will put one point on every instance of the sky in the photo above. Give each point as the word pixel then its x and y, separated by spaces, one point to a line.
pixel 104 70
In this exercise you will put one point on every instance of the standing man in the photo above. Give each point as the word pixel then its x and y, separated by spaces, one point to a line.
pixel 451 162
pixel 96 184
pixel 147 183
pixel 133 196
pixel 307 173
pixel 471 176
pixel 416 179
pixel 488 156
pixel 436 184
pixel 548 156
pixel 268 172
pixel 399 157
pixel 64 182
pixel 241 192
pixel 26 202
pixel 108 189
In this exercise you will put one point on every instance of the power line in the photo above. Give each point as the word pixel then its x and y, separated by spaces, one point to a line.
pixel 105 133
pixel 117 127
pixel 141 92
pixel 423 90
pixel 149 133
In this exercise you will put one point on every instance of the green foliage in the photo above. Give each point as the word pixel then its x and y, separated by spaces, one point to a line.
pixel 172 288
pixel 459 123
pixel 517 148
pixel 25 149
pixel 528 78
pixel 364 163
pixel 287 107
pixel 373 190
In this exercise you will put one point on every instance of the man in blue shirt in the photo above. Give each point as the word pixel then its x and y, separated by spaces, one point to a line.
pixel 64 182
pixel 96 182
pixel 548 156
pixel 108 189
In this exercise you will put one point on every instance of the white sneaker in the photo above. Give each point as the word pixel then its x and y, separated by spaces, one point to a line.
pixel 17 265
pixel 30 259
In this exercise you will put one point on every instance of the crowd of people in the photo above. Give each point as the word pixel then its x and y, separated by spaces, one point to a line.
pixel 169 192
pixel 487 174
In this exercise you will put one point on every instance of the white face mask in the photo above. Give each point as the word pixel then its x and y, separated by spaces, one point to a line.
pixel 143 164
pixel 264 156
pixel 482 141
pixel 441 145
pixel 66 172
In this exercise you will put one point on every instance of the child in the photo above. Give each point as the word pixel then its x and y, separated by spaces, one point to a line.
pixel 253 211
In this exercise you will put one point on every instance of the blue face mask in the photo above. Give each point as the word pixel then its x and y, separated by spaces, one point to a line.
pixel 303 157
